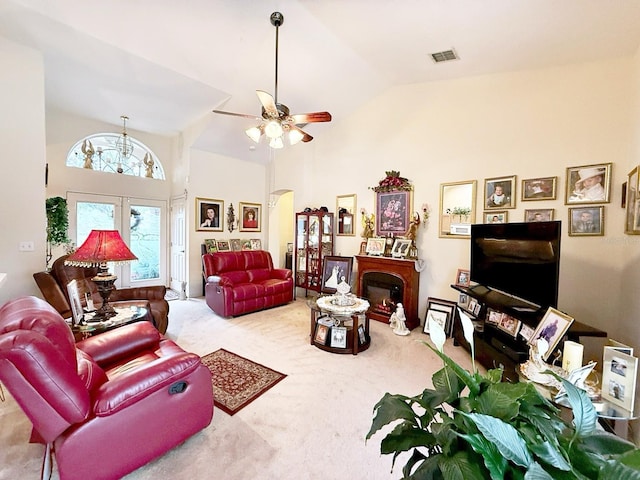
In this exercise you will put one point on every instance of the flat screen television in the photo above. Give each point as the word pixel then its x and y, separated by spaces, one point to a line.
pixel 519 259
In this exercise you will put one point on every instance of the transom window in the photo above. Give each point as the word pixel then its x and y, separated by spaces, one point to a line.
pixel 104 152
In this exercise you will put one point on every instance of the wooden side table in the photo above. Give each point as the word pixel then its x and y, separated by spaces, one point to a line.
pixel 125 314
pixel 350 321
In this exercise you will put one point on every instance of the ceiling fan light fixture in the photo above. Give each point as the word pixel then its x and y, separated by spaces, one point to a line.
pixel 295 136
pixel 254 133
pixel 276 143
pixel 273 129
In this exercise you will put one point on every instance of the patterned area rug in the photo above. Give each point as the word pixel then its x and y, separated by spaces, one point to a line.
pixel 238 381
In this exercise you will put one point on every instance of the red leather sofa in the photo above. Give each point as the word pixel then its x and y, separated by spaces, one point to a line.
pixel 108 404
pixel 243 282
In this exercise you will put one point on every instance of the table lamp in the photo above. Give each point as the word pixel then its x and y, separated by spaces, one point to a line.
pixel 100 247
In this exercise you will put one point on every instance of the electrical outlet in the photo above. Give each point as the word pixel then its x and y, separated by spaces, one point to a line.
pixel 26 246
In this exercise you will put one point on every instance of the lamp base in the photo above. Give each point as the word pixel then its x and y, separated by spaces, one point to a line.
pixel 104 282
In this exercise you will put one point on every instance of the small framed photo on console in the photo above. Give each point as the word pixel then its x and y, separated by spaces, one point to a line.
pixel 619 372
pixel 442 312
pixel 552 328
pixel 509 325
pixel 463 278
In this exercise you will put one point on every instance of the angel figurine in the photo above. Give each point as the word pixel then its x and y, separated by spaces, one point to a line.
pixel 148 163
pixel 398 321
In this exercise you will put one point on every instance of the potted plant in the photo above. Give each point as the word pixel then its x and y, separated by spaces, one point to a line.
pixel 473 426
pixel 57 223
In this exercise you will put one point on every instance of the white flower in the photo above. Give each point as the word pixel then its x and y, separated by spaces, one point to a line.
pixel 467 327
pixel 436 332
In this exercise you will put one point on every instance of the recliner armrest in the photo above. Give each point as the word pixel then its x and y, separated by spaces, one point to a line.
pixel 281 273
pixel 123 342
pixel 156 292
pixel 123 391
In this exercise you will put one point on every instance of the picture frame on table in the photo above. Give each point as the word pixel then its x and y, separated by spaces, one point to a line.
pixel 209 214
pixel 223 245
pixel 250 219
pixel 496 217
pixel 235 244
pixel 334 268
pixel 586 221
pixel 493 317
pixel 393 212
pixel 400 248
pixel 375 246
pixel 77 314
pixel 618 346
pixel 509 325
pixel 538 215
pixel 588 184
pixel 442 312
pixel 463 278
pixel 246 244
pixel 322 333
pixel 552 328
pixel 526 332
pixel 210 245
pixel 339 337
pixel 632 203
pixel 362 337
pixel 500 193
pixel 472 306
pixel 619 373
pixel 256 244
pixel 543 188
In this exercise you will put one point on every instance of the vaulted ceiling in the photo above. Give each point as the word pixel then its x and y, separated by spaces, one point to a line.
pixel 167 64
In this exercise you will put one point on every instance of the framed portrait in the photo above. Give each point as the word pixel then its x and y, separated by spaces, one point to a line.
pixel 223 245
pixel 235 244
pixel 209 215
pixel 632 204
pixel 250 217
pixel 500 193
pixel 539 215
pixel 619 372
pixel 493 316
pixel 588 184
pixel 256 244
pixel 496 217
pixel 526 332
pixel 246 244
pixel 400 248
pixel 552 328
pixel 442 312
pixel 543 188
pixel 463 278
pixel 362 337
pixel 210 245
pixel 322 332
pixel 393 212
pixel 509 325
pixel 339 337
pixel 586 221
pixel 334 270
pixel 375 246
pixel 472 306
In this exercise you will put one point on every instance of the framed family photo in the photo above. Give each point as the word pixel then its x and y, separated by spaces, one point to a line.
pixel 500 192
pixel 250 217
pixel 538 215
pixel 586 221
pixel 211 245
pixel 619 372
pixel 400 248
pixel 334 270
pixel 552 328
pixel 463 278
pixel 393 212
pixel 496 217
pixel 442 312
pixel 223 245
pixel 509 325
pixel 543 188
pixel 588 184
pixel 375 246
pixel 209 215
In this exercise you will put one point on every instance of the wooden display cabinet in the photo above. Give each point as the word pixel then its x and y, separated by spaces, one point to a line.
pixel 314 241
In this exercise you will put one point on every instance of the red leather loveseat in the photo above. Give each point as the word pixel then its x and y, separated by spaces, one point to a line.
pixel 243 282
pixel 106 405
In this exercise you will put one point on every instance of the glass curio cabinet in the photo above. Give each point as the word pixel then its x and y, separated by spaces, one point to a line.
pixel 314 241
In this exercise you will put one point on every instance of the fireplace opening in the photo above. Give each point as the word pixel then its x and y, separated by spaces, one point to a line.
pixel 383 291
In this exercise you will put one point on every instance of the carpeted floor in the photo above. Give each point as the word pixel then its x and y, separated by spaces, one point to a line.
pixel 310 426
pixel 237 381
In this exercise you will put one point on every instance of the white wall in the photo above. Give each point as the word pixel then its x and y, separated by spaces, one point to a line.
pixel 22 191
pixel 529 124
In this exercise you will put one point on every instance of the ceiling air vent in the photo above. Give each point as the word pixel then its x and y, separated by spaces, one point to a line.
pixel 445 56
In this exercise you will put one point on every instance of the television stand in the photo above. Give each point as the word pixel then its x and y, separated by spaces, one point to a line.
pixel 495 348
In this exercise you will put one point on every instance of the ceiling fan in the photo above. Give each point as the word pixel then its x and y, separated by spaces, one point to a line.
pixel 276 122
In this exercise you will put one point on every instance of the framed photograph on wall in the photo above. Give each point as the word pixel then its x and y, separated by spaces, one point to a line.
pixel 334 269
pixel 500 193
pixel 463 278
pixel 552 328
pixel 543 188
pixel 632 222
pixel 442 312
pixel 209 215
pixel 250 217
pixel 586 221
pixel 619 372
pixel 588 184
pixel 538 215
pixel 496 217
pixel 393 212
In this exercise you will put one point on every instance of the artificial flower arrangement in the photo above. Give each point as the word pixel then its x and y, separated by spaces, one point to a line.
pixel 497 430
pixel 392 182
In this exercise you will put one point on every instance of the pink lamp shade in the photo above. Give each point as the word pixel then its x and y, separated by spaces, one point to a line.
pixel 101 246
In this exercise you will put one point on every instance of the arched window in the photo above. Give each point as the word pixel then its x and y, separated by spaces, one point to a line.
pixel 105 152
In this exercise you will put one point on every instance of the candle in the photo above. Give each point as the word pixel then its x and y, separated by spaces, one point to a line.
pixel 572 355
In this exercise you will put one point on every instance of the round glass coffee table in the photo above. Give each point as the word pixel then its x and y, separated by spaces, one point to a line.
pixel 340 328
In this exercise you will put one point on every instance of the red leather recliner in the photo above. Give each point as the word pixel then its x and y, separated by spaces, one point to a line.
pixel 110 403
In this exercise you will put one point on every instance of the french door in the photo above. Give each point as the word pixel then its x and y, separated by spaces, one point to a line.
pixel 142 225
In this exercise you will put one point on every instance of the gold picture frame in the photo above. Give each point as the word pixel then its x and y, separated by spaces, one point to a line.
pixel 500 193
pixel 588 184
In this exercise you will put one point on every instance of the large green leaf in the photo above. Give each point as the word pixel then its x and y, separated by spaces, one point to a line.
pixel 617 470
pixel 389 409
pixel 447 382
pixel 536 472
pixel 403 438
pixel 493 460
pixel 605 442
pixel 467 378
pixel 584 413
pixel 460 467
pixel 506 438
pixel 551 455
pixel 500 401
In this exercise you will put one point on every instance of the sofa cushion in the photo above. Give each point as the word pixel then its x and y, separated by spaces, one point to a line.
pixel 259 275
pixel 274 286
pixel 247 291
pixel 235 278
pixel 257 259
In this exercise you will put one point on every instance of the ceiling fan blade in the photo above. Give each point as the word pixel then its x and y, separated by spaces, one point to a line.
pixel 305 136
pixel 244 115
pixel 268 103
pixel 311 117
